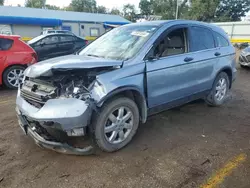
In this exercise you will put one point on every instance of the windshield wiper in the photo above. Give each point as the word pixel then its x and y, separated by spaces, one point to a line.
pixel 93 55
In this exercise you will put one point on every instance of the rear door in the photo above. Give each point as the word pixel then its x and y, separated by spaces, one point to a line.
pixel 178 71
pixel 66 44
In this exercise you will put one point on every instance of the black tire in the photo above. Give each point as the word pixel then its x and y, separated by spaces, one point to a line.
pixel 6 73
pixel 100 119
pixel 242 66
pixel 211 98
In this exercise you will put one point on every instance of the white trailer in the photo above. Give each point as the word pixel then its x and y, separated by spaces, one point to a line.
pixel 238 32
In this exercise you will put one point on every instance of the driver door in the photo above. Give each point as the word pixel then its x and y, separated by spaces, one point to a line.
pixel 170 72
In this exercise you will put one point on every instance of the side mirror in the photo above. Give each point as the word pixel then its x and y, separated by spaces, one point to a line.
pixel 42 43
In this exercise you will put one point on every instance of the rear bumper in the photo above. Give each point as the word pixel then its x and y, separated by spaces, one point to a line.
pixel 52 145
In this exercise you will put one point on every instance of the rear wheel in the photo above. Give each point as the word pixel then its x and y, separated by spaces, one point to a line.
pixel 13 76
pixel 219 91
pixel 116 124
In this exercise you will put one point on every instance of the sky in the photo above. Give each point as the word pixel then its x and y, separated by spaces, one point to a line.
pixel 62 3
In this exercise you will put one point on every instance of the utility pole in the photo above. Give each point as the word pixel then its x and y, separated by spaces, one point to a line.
pixel 177 9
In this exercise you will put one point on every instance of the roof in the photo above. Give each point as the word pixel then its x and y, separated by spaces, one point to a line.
pixel 163 22
pixel 9 11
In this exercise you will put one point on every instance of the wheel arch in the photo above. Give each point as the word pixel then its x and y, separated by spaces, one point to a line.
pixel 132 93
pixel 229 73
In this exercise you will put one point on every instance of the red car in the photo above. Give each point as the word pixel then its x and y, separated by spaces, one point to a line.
pixel 15 56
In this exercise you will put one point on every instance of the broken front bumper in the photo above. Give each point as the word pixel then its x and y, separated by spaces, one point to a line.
pixel 67 114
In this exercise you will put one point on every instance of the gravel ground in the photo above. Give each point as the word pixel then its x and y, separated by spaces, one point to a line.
pixel 177 148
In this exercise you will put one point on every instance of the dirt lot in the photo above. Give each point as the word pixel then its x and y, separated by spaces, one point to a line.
pixel 178 148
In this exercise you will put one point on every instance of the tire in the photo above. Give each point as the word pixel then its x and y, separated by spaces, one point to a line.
pixel 8 73
pixel 242 66
pixel 105 141
pixel 213 98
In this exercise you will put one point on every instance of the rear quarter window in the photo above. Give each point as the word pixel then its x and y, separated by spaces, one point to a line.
pixel 220 40
pixel 5 44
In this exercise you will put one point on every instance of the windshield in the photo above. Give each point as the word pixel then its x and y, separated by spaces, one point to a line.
pixel 35 39
pixel 120 43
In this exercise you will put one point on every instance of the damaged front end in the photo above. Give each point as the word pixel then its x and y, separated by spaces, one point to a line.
pixel 53 108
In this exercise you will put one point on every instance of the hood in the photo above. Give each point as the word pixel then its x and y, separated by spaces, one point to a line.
pixel 70 62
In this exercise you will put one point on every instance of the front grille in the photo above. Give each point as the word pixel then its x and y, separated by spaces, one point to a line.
pixel 37 94
pixel 33 99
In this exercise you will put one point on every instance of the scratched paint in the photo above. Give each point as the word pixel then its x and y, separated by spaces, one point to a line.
pixel 225 171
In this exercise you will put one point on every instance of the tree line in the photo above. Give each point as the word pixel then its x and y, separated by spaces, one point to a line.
pixel 202 10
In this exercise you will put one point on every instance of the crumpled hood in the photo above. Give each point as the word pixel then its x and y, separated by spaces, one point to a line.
pixel 70 62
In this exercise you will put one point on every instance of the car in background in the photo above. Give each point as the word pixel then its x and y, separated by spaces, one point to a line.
pixel 45 32
pixel 54 45
pixel 15 56
pixel 244 59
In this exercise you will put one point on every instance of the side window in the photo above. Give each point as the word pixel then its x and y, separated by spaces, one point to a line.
pixel 49 40
pixel 5 44
pixel 202 39
pixel 173 44
pixel 220 40
pixel 94 32
pixel 67 38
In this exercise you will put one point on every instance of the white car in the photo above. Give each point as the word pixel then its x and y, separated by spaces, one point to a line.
pixel 45 32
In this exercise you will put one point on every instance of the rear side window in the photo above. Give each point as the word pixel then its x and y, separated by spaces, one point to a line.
pixel 5 44
pixel 67 38
pixel 202 39
pixel 220 40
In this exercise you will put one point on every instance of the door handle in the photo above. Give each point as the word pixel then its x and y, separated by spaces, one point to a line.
pixel 217 54
pixel 188 59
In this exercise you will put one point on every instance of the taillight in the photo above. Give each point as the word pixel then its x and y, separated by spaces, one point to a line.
pixel 86 42
pixel 34 55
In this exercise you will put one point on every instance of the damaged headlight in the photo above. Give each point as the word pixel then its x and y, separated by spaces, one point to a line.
pixel 98 90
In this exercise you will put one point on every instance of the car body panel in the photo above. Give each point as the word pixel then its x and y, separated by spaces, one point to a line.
pixel 19 54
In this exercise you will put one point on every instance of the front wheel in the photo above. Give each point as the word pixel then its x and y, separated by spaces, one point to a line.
pixel 116 124
pixel 219 91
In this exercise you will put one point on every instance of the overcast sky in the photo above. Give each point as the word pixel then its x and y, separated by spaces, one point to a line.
pixel 62 3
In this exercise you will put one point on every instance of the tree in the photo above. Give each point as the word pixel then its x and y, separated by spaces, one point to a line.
pixel 1 2
pixel 102 9
pixel 129 12
pixel 83 5
pixel 203 10
pixel 35 3
pixel 115 11
pixel 232 10
pixel 167 8
pixel 146 7
pixel 52 7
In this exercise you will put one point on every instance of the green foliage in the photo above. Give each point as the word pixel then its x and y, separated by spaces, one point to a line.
pixel 129 12
pixel 35 3
pixel 52 7
pixel 146 7
pixel 203 10
pixel 1 2
pixel 167 8
pixel 83 6
pixel 232 10
pixel 115 11
pixel 102 9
